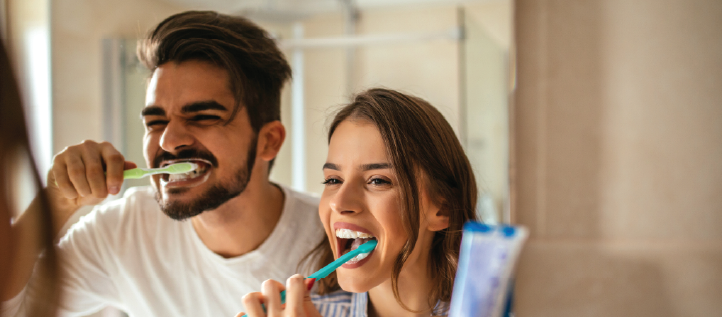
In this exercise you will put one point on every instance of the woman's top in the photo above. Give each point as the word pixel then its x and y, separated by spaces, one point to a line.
pixel 344 304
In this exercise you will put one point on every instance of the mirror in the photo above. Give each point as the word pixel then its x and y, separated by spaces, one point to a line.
pixel 456 56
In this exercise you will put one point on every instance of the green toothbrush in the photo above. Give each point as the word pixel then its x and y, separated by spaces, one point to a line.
pixel 170 169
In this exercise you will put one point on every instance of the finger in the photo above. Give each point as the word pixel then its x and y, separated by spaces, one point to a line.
pixel 76 172
pixel 295 291
pixel 271 294
pixel 62 180
pixel 241 314
pixel 114 166
pixel 308 307
pixel 252 303
pixel 94 171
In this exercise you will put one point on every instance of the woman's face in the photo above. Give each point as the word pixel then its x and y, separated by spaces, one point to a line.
pixel 361 202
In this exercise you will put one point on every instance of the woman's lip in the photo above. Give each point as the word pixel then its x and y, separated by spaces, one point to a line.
pixel 350 226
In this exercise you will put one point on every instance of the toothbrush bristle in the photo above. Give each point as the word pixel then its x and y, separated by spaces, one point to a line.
pixel 182 167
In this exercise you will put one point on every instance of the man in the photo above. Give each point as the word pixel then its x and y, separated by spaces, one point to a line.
pixel 213 100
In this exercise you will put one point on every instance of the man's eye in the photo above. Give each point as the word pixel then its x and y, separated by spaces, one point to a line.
pixel 156 123
pixel 202 117
pixel 331 181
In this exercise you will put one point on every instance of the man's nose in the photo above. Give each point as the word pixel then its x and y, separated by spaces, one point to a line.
pixel 175 137
pixel 348 199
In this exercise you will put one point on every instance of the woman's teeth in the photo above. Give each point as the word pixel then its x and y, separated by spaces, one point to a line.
pixel 358 238
pixel 351 234
pixel 358 258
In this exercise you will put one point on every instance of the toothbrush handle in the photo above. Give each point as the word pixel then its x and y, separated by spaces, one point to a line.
pixel 134 173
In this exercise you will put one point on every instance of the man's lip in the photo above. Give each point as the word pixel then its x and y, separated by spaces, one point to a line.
pixel 350 226
pixel 186 183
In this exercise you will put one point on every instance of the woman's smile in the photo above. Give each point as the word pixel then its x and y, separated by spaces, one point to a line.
pixel 348 238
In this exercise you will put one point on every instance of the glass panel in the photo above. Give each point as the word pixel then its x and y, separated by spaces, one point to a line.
pixel 485 68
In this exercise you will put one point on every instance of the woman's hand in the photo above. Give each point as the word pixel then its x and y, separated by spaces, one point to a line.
pixel 298 299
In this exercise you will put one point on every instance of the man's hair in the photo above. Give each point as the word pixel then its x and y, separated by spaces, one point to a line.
pixel 256 67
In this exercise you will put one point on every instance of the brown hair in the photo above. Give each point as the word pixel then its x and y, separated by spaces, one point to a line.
pixel 419 141
pixel 255 65
pixel 15 140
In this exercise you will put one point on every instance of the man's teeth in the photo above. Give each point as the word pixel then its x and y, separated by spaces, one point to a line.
pixel 183 176
pixel 351 234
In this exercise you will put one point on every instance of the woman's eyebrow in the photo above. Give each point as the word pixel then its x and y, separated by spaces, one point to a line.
pixel 331 166
pixel 375 166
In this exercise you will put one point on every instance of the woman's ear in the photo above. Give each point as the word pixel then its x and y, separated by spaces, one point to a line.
pixel 270 139
pixel 437 217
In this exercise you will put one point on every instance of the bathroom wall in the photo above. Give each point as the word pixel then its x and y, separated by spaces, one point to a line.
pixel 618 173
pixel 78 26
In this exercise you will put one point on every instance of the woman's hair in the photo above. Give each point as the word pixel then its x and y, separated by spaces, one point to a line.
pixel 14 140
pixel 421 147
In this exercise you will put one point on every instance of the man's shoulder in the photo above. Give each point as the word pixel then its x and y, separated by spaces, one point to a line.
pixel 302 200
pixel 136 207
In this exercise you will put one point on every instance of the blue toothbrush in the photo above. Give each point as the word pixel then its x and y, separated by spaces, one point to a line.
pixel 326 270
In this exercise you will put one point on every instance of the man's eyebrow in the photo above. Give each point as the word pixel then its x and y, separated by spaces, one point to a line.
pixel 331 166
pixel 202 105
pixel 152 111
pixel 375 166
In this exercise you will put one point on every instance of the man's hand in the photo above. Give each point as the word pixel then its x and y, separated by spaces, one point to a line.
pixel 84 174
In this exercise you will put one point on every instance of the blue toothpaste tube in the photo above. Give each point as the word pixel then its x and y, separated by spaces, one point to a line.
pixel 486 263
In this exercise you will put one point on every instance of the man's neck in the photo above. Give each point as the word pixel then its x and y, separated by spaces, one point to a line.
pixel 243 223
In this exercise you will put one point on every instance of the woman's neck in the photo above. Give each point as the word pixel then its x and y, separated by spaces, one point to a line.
pixel 415 285
pixel 414 289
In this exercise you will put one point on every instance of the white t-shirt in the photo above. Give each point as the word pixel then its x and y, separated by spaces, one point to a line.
pixel 130 255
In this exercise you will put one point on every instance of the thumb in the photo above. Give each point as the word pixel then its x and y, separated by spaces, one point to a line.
pixel 129 165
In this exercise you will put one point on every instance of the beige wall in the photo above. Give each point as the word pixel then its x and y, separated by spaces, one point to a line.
pixel 618 147
pixel 78 26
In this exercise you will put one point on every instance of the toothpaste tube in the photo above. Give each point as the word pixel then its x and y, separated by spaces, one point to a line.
pixel 486 263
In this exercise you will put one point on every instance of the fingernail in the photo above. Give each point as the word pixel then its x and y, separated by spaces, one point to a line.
pixel 114 189
pixel 310 285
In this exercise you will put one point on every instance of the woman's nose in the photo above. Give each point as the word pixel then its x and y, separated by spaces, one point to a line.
pixel 347 200
pixel 175 137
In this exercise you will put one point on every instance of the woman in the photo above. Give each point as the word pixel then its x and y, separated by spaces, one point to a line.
pixel 13 241
pixel 396 173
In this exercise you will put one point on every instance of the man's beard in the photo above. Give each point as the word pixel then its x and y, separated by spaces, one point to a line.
pixel 215 196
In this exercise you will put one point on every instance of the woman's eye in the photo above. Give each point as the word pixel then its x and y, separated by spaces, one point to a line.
pixel 331 181
pixel 379 181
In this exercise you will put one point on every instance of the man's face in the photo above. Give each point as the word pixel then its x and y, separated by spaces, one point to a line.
pixel 188 107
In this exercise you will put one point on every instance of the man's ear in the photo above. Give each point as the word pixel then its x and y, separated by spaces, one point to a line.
pixel 270 139
pixel 437 217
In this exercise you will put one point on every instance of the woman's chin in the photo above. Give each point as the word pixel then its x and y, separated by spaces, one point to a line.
pixel 354 286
